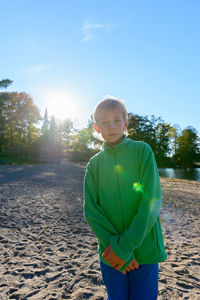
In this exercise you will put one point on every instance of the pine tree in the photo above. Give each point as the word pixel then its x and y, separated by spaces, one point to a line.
pixel 45 126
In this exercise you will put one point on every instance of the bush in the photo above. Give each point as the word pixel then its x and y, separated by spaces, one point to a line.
pixel 82 156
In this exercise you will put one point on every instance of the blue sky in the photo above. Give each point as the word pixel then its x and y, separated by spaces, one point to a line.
pixel 69 54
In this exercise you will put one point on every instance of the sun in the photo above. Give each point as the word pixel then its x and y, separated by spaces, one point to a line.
pixel 61 104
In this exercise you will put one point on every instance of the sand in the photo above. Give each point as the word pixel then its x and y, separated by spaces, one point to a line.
pixel 47 251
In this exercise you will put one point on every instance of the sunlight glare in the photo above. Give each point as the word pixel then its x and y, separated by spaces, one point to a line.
pixel 61 104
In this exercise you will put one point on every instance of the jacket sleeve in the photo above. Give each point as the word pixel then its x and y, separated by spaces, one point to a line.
pixel 93 213
pixel 148 210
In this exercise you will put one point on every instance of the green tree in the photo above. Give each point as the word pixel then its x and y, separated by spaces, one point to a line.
pixel 80 149
pixel 20 116
pixel 188 149
pixel 5 83
pixel 3 99
pixel 94 140
pixel 53 143
pixel 66 127
pixel 45 125
pixel 162 150
pixel 153 131
pixel 173 134
pixel 142 129
pixel 82 139
pixel 55 136
pixel 29 115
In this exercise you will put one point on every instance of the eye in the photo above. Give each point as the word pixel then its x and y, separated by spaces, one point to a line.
pixel 117 120
pixel 103 123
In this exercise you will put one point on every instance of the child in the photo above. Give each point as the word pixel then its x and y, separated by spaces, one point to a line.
pixel 122 201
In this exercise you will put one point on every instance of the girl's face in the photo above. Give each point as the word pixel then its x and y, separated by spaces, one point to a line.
pixel 111 125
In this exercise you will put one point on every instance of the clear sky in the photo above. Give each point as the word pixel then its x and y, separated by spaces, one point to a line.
pixel 68 54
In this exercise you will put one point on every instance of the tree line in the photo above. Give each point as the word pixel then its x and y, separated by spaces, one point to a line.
pixel 25 133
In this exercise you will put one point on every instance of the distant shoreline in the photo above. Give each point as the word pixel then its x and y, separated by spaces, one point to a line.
pixel 12 160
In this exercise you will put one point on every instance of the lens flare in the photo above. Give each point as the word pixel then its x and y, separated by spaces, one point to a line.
pixel 118 169
pixel 138 187
pixel 154 206
pixel 167 217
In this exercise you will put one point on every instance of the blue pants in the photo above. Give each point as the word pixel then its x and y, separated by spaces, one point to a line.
pixel 138 284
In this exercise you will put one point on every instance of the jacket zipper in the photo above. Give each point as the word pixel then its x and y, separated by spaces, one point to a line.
pixel 119 191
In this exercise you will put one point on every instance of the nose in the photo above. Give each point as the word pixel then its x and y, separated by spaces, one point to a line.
pixel 111 125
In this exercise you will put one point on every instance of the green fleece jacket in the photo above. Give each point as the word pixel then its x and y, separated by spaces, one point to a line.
pixel 122 201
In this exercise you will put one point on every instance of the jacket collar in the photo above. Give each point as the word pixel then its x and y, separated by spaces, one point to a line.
pixel 117 147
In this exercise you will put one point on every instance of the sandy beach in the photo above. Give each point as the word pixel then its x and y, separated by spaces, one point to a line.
pixel 47 250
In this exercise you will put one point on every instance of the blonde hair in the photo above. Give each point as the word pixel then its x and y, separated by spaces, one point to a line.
pixel 110 102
